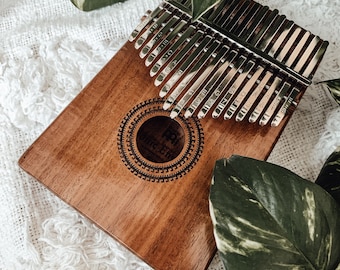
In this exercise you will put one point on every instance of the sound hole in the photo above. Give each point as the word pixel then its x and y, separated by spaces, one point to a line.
pixel 160 139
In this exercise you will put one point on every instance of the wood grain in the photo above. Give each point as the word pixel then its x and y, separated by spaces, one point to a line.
pixel 166 224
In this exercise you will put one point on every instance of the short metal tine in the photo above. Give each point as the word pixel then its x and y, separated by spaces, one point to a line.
pixel 173 49
pixel 274 104
pixel 255 93
pixel 264 100
pixel 289 101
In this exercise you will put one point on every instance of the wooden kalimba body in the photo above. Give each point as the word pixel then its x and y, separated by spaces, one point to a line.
pixel 134 151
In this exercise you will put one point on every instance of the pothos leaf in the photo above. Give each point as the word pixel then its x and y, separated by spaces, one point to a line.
pixel 266 217
pixel 199 7
pixel 88 5
pixel 334 89
pixel 329 176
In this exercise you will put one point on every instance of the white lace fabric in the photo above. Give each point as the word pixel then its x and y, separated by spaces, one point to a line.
pixel 49 51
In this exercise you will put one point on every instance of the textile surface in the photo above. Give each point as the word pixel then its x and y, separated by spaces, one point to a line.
pixel 49 51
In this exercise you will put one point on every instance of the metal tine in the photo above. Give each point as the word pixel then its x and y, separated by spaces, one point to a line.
pixel 314 43
pixel 265 26
pixel 189 75
pixel 179 57
pixel 233 89
pixel 212 83
pixel 148 32
pixel 159 35
pixel 267 38
pixel 185 65
pixel 221 87
pixel 294 55
pixel 313 63
pixel 283 110
pixel 245 22
pixel 255 93
pixel 257 19
pixel 243 93
pixel 200 81
pixel 145 22
pixel 292 37
pixel 165 42
pixel 274 104
pixel 275 48
pixel 219 10
pixel 229 13
pixel 264 100
pixel 232 24
pixel 183 39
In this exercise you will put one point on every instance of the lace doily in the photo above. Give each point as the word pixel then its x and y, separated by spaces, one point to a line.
pixel 49 51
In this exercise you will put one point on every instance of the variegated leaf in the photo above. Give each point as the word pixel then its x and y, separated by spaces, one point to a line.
pixel 199 7
pixel 266 217
pixel 329 177
pixel 333 87
pixel 88 5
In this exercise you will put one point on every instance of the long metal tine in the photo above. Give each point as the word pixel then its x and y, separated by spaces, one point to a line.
pixel 157 37
pixel 264 101
pixel 188 77
pixel 274 104
pixel 171 51
pixel 221 87
pixel 185 65
pixel 255 93
pixel 178 58
pixel 199 82
pixel 165 42
pixel 233 89
pixel 148 32
pixel 145 22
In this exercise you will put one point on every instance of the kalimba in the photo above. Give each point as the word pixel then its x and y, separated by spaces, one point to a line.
pixel 134 151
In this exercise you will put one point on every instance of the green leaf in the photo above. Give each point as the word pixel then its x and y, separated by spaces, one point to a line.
pixel 88 5
pixel 333 87
pixel 266 217
pixel 199 7
pixel 329 176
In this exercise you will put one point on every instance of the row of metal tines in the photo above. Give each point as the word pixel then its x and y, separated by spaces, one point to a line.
pixel 212 67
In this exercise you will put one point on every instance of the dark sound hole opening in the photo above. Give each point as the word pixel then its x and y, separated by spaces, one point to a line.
pixel 160 139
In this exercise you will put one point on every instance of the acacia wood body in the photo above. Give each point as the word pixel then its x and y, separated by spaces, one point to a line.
pixel 166 224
